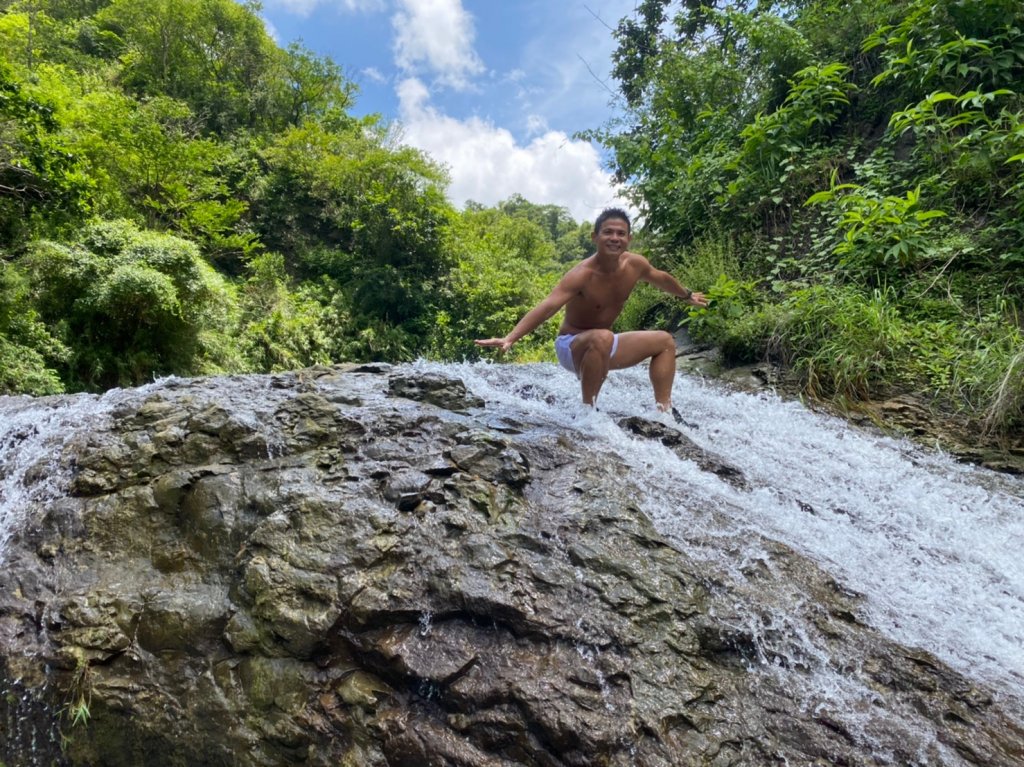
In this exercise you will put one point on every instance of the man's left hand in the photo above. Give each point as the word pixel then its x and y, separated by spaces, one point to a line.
pixel 697 299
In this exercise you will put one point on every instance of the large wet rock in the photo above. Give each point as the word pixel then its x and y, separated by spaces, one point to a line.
pixel 356 567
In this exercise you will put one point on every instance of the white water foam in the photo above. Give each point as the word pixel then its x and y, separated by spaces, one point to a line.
pixel 933 545
pixel 32 433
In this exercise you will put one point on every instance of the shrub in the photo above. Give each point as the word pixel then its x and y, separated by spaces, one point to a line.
pixel 129 304
pixel 28 352
pixel 843 344
pixel 280 328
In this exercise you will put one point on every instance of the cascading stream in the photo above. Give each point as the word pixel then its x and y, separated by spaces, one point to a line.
pixel 933 545
pixel 31 435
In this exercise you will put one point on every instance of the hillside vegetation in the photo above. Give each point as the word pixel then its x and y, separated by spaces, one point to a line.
pixel 848 178
pixel 181 195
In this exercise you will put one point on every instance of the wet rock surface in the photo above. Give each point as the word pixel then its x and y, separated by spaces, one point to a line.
pixel 363 569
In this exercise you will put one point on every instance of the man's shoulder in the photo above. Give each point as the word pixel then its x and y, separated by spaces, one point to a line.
pixel 580 269
pixel 576 276
pixel 636 261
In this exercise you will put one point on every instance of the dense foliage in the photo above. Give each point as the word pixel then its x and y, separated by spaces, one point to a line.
pixel 857 168
pixel 845 180
pixel 179 195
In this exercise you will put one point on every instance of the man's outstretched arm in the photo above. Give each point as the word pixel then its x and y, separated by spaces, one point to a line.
pixel 534 318
pixel 666 282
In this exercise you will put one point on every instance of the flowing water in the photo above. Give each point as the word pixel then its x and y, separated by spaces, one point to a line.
pixel 32 432
pixel 933 545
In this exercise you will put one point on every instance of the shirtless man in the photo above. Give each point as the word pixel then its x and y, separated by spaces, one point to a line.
pixel 593 293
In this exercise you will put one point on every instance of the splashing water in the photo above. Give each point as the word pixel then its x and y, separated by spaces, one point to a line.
pixel 34 431
pixel 30 461
pixel 933 545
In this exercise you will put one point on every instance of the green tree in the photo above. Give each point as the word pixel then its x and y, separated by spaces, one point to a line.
pixel 28 352
pixel 372 217
pixel 571 240
pixel 506 264
pixel 128 304
pixel 214 55
pixel 40 181
pixel 150 163
pixel 281 328
pixel 732 110
pixel 301 85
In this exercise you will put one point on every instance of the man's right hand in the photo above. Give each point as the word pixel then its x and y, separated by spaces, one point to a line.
pixel 503 343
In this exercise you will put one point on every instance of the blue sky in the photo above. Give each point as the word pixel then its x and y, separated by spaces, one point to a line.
pixel 492 89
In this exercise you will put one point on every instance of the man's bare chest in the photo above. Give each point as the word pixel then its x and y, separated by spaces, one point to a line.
pixel 608 289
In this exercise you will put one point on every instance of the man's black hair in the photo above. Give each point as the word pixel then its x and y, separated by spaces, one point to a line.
pixel 612 213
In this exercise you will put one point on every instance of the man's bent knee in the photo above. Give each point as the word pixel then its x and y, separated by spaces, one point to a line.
pixel 600 341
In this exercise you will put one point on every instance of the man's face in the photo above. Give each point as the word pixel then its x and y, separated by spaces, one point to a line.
pixel 613 236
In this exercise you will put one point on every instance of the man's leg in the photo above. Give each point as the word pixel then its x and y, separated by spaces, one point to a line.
pixel 591 350
pixel 660 347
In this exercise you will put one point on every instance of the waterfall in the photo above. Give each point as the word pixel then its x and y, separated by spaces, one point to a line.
pixel 933 545
pixel 32 432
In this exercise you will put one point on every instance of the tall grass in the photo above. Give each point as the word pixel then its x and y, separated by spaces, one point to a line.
pixel 1002 388
pixel 848 345
pixel 844 344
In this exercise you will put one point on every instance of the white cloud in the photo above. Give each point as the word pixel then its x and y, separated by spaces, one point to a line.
pixel 305 7
pixel 487 165
pixel 413 97
pixel 374 74
pixel 536 124
pixel 436 35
